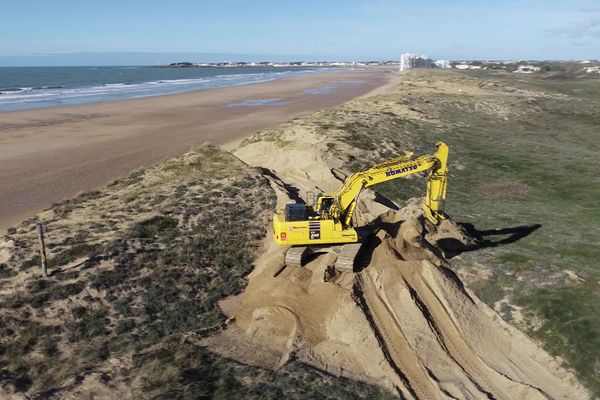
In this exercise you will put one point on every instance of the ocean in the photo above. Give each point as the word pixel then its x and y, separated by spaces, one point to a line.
pixel 40 87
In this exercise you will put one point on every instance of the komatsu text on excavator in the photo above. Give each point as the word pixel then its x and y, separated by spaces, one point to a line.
pixel 330 222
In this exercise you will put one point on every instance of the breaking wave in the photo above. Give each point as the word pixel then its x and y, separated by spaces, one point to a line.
pixel 18 98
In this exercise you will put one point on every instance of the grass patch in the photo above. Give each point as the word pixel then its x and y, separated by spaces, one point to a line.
pixel 512 258
pixel 571 326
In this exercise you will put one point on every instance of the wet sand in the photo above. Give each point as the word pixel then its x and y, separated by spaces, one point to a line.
pixel 48 155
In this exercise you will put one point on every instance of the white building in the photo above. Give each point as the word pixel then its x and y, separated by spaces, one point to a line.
pixel 594 69
pixel 467 66
pixel 526 69
pixel 410 61
pixel 442 64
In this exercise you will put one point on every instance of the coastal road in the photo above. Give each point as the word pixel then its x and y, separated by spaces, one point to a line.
pixel 52 154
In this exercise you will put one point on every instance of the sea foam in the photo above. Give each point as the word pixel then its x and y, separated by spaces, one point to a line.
pixel 18 98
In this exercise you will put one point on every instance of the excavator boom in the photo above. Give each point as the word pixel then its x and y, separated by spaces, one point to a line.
pixel 347 196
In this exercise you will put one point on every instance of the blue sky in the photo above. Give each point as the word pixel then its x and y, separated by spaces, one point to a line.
pixel 334 29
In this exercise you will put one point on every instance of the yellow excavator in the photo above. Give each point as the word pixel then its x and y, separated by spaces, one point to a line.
pixel 330 221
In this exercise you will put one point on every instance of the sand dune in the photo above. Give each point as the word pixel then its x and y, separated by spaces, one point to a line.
pixel 402 319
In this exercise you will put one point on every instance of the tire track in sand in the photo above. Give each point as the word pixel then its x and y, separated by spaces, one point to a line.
pixel 489 381
pixel 394 344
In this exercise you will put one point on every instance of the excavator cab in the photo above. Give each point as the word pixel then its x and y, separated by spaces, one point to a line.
pixel 324 204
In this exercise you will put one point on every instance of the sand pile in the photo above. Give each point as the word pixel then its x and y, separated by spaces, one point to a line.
pixel 402 320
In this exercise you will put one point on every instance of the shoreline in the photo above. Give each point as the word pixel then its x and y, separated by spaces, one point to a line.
pixel 51 154
pixel 22 97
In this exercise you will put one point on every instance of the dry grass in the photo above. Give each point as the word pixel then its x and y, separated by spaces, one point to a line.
pixel 503 189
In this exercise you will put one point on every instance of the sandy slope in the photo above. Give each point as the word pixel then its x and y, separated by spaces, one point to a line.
pixel 407 325
pixel 402 319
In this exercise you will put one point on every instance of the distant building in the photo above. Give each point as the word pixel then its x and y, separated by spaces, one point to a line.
pixel 526 69
pixel 467 66
pixel 594 69
pixel 410 61
pixel 442 64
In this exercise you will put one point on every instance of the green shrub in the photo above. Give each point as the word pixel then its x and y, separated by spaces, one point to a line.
pixel 6 272
pixel 156 226
pixel 88 324
pixel 48 346
pixel 124 325
pixel 34 261
pixel 42 291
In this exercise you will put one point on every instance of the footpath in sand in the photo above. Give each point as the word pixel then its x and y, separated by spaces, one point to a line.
pixel 402 319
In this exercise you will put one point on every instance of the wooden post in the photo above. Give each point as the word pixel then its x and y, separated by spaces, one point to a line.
pixel 44 261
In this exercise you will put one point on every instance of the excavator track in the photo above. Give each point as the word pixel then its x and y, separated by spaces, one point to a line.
pixel 346 255
pixel 295 255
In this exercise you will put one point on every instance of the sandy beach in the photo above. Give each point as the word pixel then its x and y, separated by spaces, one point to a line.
pixel 48 155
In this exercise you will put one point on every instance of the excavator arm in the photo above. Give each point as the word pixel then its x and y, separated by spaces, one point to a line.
pixel 345 199
pixel 436 186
